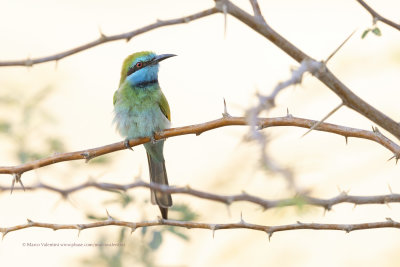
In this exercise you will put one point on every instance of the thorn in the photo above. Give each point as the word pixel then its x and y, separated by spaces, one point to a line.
pixel 347 140
pixel 229 200
pixel 348 229
pixel 102 35
pixel 299 222
pixel 109 218
pixel 198 133
pixel 30 222
pixel 56 64
pixel 241 218
pixel 228 208
pixel 324 212
pixel 375 130
pixel 79 228
pixel 340 46
pixel 390 189
pixel 387 203
pixel 16 179
pixel 133 228
pixel 269 233
pixel 394 156
pixel 225 11
pixel 355 205
pixel 323 119
pixel 389 219
pixel 288 113
pixel 344 193
pixel 126 144
pixel 225 114
pixel 12 185
pixel 4 234
pixel 213 228
pixel 338 188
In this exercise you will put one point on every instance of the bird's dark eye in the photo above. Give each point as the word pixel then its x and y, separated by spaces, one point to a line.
pixel 139 65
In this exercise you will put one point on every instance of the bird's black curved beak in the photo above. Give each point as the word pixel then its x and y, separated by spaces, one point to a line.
pixel 159 58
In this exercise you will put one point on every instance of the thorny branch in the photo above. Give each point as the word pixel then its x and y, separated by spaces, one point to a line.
pixel 110 38
pixel 378 17
pixel 197 129
pixel 265 103
pixel 389 223
pixel 266 204
pixel 349 99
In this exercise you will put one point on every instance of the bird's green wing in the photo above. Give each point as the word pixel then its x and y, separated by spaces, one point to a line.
pixel 163 104
pixel 115 97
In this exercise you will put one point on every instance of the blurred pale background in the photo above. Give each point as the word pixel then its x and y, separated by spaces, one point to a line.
pixel 209 67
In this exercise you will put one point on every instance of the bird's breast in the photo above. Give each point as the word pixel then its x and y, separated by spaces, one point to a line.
pixel 139 116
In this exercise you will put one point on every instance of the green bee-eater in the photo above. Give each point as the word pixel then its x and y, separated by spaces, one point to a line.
pixel 141 109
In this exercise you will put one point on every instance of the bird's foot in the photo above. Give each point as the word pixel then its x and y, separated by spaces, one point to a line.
pixel 153 139
pixel 126 144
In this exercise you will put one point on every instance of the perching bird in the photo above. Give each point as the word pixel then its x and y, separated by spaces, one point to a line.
pixel 140 110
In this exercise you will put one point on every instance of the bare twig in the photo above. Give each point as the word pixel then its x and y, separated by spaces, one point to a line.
pixel 376 16
pixel 389 223
pixel 266 204
pixel 105 39
pixel 257 10
pixel 200 128
pixel 349 99
pixel 324 118
pixel 338 48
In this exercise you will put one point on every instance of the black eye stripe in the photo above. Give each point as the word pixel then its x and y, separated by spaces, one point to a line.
pixel 135 68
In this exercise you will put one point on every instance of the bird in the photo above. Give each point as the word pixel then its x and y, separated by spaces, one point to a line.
pixel 140 110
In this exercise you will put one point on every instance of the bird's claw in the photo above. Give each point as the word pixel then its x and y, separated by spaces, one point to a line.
pixel 126 144
pixel 153 139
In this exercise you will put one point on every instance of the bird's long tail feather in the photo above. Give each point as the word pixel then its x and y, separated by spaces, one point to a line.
pixel 158 175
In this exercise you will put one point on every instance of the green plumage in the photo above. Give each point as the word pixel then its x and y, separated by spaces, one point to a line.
pixel 141 109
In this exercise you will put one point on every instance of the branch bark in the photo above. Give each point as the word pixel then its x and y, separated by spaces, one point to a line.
pixel 266 204
pixel 389 223
pixel 197 129
pixel 324 75
pixel 105 39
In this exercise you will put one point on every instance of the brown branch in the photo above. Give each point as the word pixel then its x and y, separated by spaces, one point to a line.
pixel 377 16
pixel 389 223
pixel 197 129
pixel 105 39
pixel 324 75
pixel 266 204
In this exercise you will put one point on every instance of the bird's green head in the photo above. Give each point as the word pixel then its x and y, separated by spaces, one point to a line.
pixel 141 68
